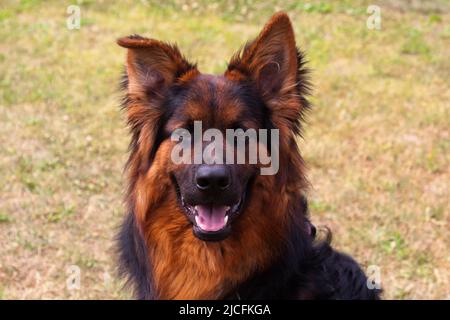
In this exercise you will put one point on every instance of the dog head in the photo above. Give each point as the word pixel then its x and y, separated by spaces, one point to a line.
pixel 263 88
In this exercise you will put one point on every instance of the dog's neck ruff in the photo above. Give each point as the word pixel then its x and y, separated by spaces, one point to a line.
pixel 185 267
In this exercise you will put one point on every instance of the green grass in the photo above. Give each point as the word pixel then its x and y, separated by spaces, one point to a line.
pixel 376 143
pixel 415 43
pixel 4 218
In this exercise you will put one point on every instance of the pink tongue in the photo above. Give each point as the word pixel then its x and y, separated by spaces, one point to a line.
pixel 211 218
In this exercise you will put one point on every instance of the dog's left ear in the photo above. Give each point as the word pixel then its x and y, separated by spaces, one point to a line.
pixel 273 63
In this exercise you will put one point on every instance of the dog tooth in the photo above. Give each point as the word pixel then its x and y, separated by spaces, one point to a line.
pixel 225 220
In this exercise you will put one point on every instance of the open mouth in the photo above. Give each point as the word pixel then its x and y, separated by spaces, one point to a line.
pixel 212 214
pixel 212 222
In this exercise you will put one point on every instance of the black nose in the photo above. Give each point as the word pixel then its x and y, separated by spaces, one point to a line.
pixel 213 177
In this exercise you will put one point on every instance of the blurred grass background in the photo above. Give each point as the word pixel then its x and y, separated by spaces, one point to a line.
pixel 377 142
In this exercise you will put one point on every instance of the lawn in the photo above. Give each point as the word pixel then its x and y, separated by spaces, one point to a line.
pixel 377 141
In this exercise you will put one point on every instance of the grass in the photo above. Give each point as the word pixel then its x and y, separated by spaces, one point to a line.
pixel 377 142
pixel 4 218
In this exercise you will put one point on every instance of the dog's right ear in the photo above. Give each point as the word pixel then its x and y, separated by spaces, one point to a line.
pixel 152 66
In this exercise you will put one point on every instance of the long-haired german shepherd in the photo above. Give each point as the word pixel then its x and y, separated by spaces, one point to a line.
pixel 223 231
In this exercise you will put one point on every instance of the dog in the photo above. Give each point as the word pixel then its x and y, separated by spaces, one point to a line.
pixel 223 231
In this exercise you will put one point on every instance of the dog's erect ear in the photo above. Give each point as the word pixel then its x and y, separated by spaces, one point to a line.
pixel 152 65
pixel 151 68
pixel 271 60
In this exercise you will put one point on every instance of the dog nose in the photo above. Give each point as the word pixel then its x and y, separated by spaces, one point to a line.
pixel 213 177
